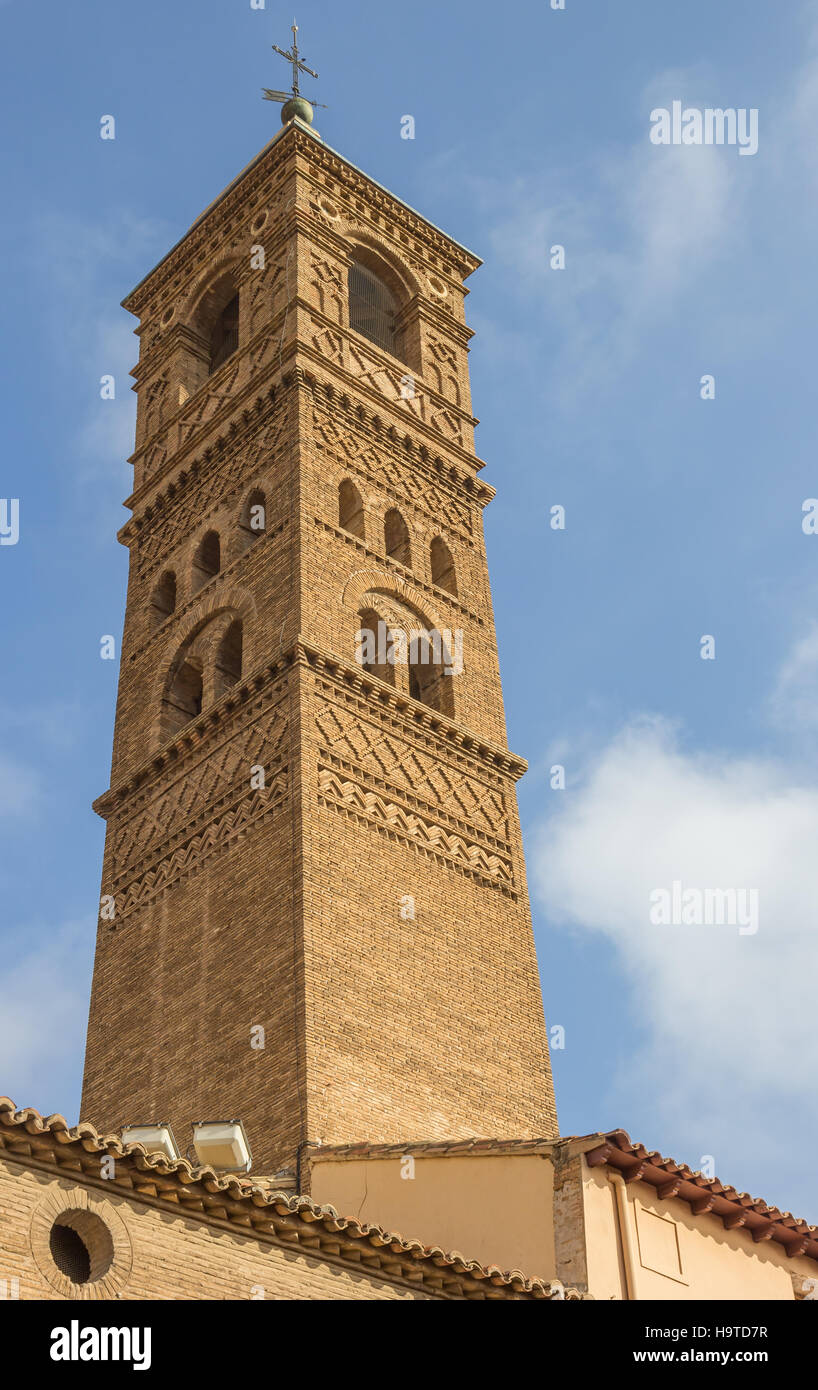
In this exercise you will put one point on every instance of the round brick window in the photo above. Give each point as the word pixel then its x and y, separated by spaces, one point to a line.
pixel 81 1246
pixel 80 1242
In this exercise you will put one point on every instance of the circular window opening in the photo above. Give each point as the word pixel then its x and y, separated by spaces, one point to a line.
pixel 81 1246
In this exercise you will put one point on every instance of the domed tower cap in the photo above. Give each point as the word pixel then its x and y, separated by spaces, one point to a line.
pixel 297 108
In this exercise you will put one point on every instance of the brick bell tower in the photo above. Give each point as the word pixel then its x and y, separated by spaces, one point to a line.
pixel 314 912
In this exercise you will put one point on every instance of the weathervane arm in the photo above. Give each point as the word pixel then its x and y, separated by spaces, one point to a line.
pixel 297 64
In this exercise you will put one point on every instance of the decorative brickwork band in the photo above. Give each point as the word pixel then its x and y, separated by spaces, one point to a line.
pixel 386 755
pixel 425 834
pixel 222 831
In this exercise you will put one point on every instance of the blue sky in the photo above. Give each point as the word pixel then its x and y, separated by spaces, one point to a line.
pixel 683 516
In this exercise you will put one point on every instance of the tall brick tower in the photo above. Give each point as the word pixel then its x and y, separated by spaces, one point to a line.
pixel 314 903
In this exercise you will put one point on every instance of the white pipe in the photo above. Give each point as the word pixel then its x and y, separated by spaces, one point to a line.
pixel 625 1234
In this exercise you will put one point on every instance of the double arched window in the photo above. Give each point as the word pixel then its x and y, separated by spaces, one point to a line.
pixel 205 667
pixel 393 644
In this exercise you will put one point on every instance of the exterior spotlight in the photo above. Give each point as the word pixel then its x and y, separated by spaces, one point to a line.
pixel 223 1144
pixel 158 1136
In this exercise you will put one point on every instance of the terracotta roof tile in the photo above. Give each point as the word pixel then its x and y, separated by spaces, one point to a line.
pixel 434 1266
pixel 737 1210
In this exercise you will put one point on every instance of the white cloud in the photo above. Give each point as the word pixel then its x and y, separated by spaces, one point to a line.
pixel 794 701
pixel 651 223
pixel 716 1008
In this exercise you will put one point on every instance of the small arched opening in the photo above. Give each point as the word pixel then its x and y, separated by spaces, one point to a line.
pixel 443 573
pixel 351 509
pixel 430 680
pixel 183 698
pixel 206 561
pixel 228 660
pixel 224 335
pixel 372 646
pixel 396 538
pixel 253 519
pixel 163 598
pixel 373 308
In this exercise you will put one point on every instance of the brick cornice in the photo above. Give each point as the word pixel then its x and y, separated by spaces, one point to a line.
pixel 288 153
pixel 416 715
pixel 396 212
pixel 443 470
pixel 345 673
pixel 248 419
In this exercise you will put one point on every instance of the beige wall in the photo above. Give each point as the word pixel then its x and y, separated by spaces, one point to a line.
pixel 497 1209
pixel 679 1255
pixel 509 1211
pixel 159 1255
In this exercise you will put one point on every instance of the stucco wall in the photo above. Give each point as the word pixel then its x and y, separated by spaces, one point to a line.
pixel 678 1255
pixel 495 1209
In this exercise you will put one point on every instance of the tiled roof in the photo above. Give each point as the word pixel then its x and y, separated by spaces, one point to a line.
pixel 736 1209
pixel 200 1191
pixel 703 1195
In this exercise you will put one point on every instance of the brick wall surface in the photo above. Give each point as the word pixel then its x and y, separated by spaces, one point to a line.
pixel 159 1255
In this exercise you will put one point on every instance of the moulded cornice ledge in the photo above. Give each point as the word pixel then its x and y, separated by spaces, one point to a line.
pixel 306 654
pixel 415 713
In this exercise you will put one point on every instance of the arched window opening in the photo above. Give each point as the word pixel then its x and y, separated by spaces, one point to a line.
pixel 224 337
pixel 351 509
pixel 163 600
pixel 372 308
pixel 396 538
pixel 443 566
pixel 428 679
pixel 184 697
pixel 372 646
pixel 228 660
pixel 211 335
pixel 207 560
pixel 253 520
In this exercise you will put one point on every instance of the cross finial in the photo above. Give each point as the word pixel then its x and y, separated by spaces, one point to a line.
pixel 292 56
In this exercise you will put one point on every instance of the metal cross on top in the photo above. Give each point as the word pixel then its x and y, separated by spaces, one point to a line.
pixel 298 66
